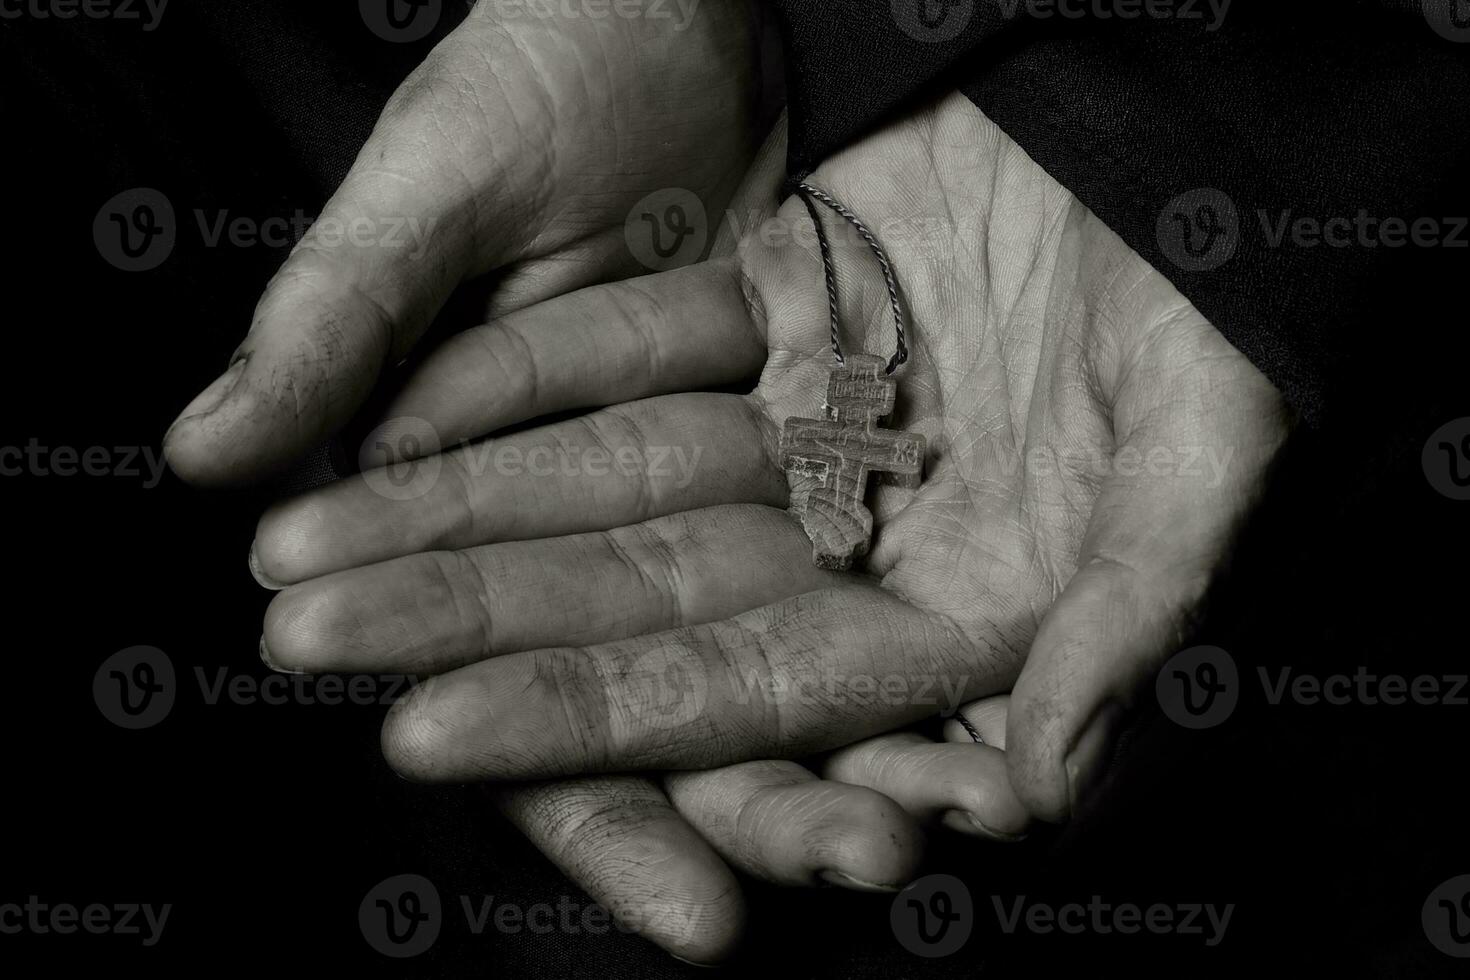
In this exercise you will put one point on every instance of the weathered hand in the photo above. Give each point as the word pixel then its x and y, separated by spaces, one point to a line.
pixel 518 147
pixel 1038 380
pixel 521 147
pixel 1093 444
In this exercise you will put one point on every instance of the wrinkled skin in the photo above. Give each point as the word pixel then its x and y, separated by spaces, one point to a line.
pixel 1053 545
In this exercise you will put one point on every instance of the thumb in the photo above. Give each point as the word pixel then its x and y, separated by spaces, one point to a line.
pixel 1195 426
pixel 362 285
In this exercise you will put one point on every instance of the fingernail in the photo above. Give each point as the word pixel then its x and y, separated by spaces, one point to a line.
pixel 266 582
pixel 702 966
pixel 842 880
pixel 1087 763
pixel 265 658
pixel 987 831
pixel 214 396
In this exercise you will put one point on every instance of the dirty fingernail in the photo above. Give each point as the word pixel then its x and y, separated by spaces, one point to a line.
pixel 1087 763
pixel 265 658
pixel 214 396
pixel 266 582
pixel 842 880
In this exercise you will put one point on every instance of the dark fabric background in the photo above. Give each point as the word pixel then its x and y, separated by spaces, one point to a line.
pixel 1317 107
pixel 265 825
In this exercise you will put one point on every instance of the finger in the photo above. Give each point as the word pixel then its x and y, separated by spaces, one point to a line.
pixel 604 345
pixel 984 721
pixel 430 612
pixel 964 784
pixel 620 839
pixel 799 676
pixel 612 468
pixel 776 821
pixel 1155 538
pixel 425 206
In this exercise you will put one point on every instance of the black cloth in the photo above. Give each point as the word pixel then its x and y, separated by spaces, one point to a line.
pixel 1316 109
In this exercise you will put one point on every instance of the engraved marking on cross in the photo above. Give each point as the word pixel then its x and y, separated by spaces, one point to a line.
pixel 832 458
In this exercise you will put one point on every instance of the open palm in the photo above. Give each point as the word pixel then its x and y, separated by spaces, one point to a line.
pixel 624 590
pixel 1093 443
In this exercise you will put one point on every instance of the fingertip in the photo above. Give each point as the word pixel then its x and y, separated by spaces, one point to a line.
pixel 258 572
pixel 414 743
pixel 992 807
pixel 315 351
pixel 300 630
pixel 290 541
pixel 704 930
pixel 871 844
pixel 1035 768
pixel 195 445
pixel 971 825
pixel 620 839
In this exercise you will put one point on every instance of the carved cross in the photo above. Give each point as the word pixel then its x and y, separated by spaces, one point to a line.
pixel 833 457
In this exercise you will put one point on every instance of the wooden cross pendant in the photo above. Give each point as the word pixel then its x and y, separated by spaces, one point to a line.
pixel 828 460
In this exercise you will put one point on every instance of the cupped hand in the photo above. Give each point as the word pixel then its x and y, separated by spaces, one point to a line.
pixel 522 147
pixel 623 591
pixel 1093 444
pixel 517 148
